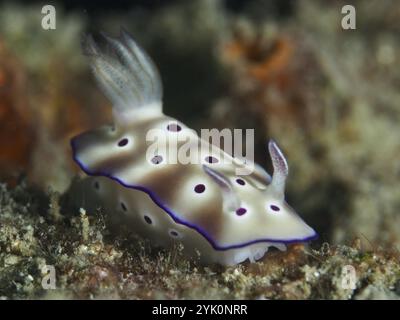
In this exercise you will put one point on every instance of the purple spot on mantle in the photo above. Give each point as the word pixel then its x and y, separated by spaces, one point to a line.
pixel 211 159
pixel 241 182
pixel 174 233
pixel 123 142
pixel 199 188
pixel 147 219
pixel 157 159
pixel 275 208
pixel 174 127
pixel 241 211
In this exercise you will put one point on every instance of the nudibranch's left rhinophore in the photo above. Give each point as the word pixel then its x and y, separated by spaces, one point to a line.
pixel 206 206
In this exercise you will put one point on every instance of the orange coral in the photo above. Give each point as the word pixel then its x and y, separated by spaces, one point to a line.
pixel 274 75
pixel 263 64
pixel 36 123
pixel 16 133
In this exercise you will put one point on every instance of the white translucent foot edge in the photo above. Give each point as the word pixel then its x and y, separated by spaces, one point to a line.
pixel 253 252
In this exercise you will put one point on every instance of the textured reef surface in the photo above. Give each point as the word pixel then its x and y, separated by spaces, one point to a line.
pixel 329 96
pixel 92 262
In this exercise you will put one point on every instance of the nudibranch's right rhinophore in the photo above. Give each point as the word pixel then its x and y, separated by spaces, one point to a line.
pixel 206 206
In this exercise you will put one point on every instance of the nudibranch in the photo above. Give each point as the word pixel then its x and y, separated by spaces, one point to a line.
pixel 223 217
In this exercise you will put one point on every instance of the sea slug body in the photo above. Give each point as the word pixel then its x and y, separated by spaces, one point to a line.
pixel 206 206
